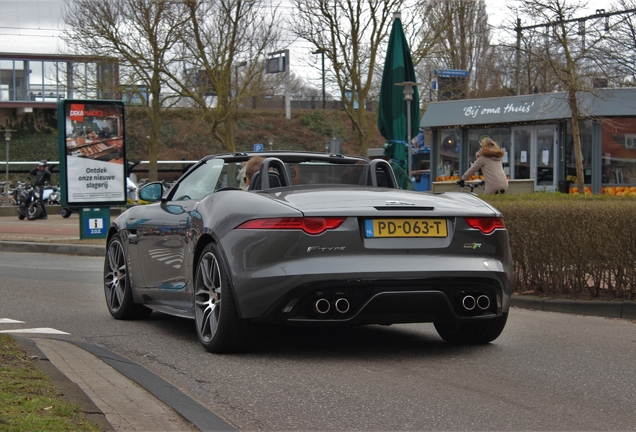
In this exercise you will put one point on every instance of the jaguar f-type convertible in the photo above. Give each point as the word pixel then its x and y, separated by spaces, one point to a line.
pixel 316 239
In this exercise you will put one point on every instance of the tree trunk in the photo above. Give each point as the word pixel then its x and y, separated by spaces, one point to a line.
pixel 576 141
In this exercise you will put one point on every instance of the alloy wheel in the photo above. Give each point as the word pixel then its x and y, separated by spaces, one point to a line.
pixel 115 276
pixel 208 297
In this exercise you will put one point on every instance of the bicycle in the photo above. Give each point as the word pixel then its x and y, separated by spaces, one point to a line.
pixel 10 195
pixel 472 185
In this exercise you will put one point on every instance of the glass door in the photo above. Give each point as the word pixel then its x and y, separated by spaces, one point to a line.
pixel 521 145
pixel 546 156
pixel 534 151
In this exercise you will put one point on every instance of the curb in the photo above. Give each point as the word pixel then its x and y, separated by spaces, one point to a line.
pixel 202 418
pixel 609 309
pixel 53 248
pixel 53 209
pixel 71 391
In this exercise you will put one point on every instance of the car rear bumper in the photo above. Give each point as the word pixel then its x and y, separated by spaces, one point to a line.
pixel 390 301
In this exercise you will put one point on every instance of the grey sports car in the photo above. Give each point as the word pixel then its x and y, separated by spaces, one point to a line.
pixel 317 239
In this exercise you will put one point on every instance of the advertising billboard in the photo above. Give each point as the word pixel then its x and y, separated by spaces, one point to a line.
pixel 92 152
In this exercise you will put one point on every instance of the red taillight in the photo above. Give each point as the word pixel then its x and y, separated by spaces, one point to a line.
pixel 310 225
pixel 486 224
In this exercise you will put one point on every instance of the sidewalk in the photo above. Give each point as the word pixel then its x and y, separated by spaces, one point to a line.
pixel 52 235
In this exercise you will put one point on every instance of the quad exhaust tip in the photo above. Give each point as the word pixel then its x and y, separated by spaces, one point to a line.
pixel 322 306
pixel 342 305
pixel 469 302
pixel 482 302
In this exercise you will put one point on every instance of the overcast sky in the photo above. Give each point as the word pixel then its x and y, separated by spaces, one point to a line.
pixel 32 26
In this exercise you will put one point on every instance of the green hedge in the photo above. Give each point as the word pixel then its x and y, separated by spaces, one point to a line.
pixel 572 246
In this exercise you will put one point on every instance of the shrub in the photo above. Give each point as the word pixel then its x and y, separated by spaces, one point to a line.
pixel 572 246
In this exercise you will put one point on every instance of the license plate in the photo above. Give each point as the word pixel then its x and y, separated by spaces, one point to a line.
pixel 405 228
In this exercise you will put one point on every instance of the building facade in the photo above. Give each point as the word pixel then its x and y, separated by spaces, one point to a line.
pixel 35 81
pixel 535 132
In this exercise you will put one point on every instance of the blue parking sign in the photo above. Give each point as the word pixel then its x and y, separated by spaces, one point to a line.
pixel 258 147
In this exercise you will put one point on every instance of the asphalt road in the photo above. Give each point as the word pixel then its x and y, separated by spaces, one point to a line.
pixel 548 371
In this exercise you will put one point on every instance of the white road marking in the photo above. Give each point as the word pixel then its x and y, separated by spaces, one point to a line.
pixel 40 330
pixel 10 321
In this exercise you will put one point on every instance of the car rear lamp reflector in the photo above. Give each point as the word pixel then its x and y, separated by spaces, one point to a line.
pixel 310 225
pixel 485 224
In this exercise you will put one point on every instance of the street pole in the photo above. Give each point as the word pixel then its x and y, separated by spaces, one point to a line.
pixel 324 100
pixel 518 60
pixel 7 139
pixel 408 134
pixel 287 87
pixel 408 97
pixel 320 51
pixel 236 75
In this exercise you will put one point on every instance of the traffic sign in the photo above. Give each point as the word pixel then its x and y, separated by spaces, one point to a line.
pixel 451 72
pixel 258 147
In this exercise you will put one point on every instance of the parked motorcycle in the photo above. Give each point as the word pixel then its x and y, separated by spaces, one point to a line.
pixel 51 195
pixel 66 212
pixel 26 197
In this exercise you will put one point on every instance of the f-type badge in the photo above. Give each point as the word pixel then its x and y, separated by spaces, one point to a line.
pixel 472 245
pixel 325 249
pixel 399 203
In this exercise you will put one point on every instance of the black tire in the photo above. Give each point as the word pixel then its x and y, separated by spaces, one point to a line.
pixel 21 216
pixel 117 286
pixel 66 212
pixel 34 211
pixel 477 332
pixel 219 327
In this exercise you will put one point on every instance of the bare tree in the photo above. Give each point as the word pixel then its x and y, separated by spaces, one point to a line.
pixel 565 53
pixel 141 34
pixel 351 33
pixel 456 35
pixel 221 38
pixel 618 52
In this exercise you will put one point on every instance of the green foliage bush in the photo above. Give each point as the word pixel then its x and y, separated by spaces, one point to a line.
pixel 320 122
pixel 572 246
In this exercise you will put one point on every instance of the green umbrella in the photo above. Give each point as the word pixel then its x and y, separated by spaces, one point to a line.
pixel 392 112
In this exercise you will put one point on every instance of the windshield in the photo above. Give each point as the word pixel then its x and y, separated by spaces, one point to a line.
pixel 216 174
pixel 200 182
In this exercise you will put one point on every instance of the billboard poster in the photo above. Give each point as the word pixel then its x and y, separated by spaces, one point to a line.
pixel 92 152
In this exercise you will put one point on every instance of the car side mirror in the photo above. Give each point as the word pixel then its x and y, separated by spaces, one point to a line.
pixel 151 192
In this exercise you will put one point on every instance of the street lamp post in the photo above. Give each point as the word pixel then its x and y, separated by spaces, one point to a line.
pixel 408 97
pixel 236 68
pixel 320 51
pixel 7 138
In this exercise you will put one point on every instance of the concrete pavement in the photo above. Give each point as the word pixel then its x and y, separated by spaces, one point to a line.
pixel 128 396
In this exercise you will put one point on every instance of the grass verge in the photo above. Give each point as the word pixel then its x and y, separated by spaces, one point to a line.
pixel 28 399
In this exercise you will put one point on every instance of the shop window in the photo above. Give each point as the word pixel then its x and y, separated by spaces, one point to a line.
pixel 619 154
pixel 585 128
pixel 499 135
pixel 448 154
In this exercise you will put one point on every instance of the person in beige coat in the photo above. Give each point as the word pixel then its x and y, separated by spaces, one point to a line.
pixel 489 161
